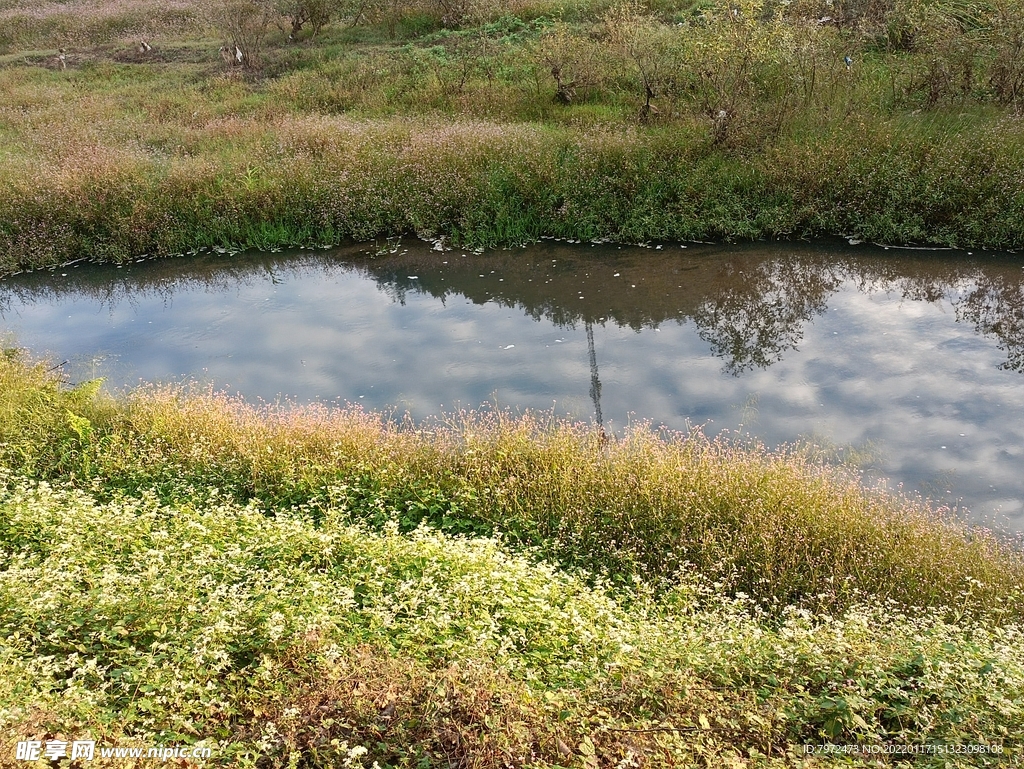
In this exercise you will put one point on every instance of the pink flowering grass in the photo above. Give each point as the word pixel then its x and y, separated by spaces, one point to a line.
pixel 34 25
pixel 316 179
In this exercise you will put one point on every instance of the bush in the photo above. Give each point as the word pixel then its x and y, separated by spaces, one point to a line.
pixel 245 23
pixel 574 62
pixel 1006 37
pixel 743 67
pixel 649 47
pixel 316 13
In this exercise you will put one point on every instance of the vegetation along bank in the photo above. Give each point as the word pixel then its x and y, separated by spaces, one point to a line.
pixel 160 126
pixel 309 587
pixel 315 587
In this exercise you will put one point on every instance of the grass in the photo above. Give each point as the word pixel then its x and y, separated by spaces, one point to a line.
pixel 778 528
pixel 307 587
pixel 368 130
pixel 325 179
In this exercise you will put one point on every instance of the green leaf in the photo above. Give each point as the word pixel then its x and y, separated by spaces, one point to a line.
pixel 86 391
pixel 81 425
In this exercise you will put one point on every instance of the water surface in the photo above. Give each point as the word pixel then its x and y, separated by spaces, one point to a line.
pixel 912 362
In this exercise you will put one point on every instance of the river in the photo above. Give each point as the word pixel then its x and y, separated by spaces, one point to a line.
pixel 908 363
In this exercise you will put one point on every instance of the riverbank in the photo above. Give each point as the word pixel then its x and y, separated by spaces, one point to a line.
pixel 324 180
pixel 311 587
pixel 758 127
pixel 300 584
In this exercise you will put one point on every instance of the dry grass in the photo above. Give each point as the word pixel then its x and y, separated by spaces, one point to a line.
pixel 772 525
pixel 29 25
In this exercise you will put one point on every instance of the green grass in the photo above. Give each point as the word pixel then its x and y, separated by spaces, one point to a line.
pixel 774 526
pixel 302 587
pixel 293 181
pixel 123 154
pixel 307 587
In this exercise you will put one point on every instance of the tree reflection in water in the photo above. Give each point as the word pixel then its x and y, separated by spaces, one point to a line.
pixel 987 293
pixel 761 307
pixel 750 303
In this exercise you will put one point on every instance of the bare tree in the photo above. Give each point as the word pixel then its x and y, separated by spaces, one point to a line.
pixel 245 23
pixel 1006 37
pixel 454 12
pixel 315 13
pixel 639 37
pixel 572 60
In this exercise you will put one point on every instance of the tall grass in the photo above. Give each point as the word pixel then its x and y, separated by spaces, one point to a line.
pixel 660 508
pixel 322 180
pixel 456 132
pixel 317 587
pixel 30 25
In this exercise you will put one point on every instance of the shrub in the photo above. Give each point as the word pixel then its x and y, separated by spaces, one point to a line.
pixel 315 13
pixel 244 24
pixel 743 65
pixel 647 45
pixel 574 62
pixel 1006 37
